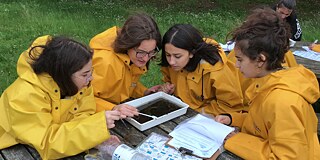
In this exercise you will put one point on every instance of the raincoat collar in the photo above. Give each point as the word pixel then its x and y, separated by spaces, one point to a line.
pixel 295 79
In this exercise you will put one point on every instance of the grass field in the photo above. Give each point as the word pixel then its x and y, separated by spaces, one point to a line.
pixel 22 21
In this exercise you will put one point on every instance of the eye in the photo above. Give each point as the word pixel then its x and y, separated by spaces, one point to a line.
pixel 140 52
pixel 177 56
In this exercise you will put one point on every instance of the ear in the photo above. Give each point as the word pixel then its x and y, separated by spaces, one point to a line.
pixel 190 55
pixel 261 60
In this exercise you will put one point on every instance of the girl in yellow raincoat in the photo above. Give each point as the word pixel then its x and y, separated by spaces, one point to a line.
pixel 198 72
pixel 51 105
pixel 289 61
pixel 280 123
pixel 121 56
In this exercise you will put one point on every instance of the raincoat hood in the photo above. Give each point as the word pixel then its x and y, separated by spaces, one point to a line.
pixel 207 67
pixel 99 41
pixel 25 71
pixel 296 79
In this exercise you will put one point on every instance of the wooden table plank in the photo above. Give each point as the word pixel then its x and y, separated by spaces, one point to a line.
pixel 314 66
pixel 33 152
pixel 130 135
pixel 318 115
pixel 1 158
pixel 76 157
pixel 16 152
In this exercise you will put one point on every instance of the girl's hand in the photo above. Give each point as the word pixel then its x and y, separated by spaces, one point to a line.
pixel 223 119
pixel 153 89
pixel 311 45
pixel 112 116
pixel 126 110
pixel 167 88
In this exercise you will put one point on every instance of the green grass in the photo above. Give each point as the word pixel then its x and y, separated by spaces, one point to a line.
pixel 23 21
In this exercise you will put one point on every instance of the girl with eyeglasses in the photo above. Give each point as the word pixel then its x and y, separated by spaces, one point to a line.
pixel 51 106
pixel 199 72
pixel 121 57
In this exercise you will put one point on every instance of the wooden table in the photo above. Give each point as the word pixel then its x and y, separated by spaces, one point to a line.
pixel 314 66
pixel 130 136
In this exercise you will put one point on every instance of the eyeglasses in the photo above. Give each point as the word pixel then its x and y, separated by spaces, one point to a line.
pixel 87 76
pixel 142 53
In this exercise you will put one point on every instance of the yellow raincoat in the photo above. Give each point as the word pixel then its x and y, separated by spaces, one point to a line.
pixel 217 83
pixel 289 61
pixel 31 112
pixel 115 79
pixel 281 123
pixel 316 48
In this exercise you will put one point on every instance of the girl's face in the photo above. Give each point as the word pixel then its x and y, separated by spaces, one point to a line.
pixel 177 58
pixel 83 77
pixel 284 12
pixel 246 66
pixel 141 55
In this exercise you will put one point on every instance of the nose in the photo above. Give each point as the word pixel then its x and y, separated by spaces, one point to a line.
pixel 237 64
pixel 171 61
pixel 146 57
pixel 90 79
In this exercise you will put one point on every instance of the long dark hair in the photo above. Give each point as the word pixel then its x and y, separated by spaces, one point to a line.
pixel 185 36
pixel 60 58
pixel 264 32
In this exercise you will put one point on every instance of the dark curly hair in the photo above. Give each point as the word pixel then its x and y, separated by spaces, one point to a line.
pixel 263 32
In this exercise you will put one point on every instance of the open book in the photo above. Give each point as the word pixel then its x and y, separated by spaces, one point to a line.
pixel 308 53
pixel 201 135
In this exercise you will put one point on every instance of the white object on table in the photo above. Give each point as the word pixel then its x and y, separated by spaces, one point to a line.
pixel 308 53
pixel 202 135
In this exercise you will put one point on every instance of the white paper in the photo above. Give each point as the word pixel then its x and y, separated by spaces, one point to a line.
pixel 228 46
pixel 308 53
pixel 204 136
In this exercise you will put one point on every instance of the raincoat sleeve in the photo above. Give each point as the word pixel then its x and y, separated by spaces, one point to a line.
pixel 237 118
pixel 103 105
pixel 103 80
pixel 227 91
pixel 286 131
pixel 30 114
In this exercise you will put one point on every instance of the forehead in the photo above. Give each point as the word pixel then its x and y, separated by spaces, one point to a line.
pixel 284 10
pixel 171 49
pixel 238 51
pixel 147 45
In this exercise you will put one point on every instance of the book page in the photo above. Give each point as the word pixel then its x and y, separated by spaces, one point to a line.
pixel 307 53
pixel 200 134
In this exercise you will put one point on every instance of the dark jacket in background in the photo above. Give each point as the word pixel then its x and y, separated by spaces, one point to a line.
pixel 292 20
